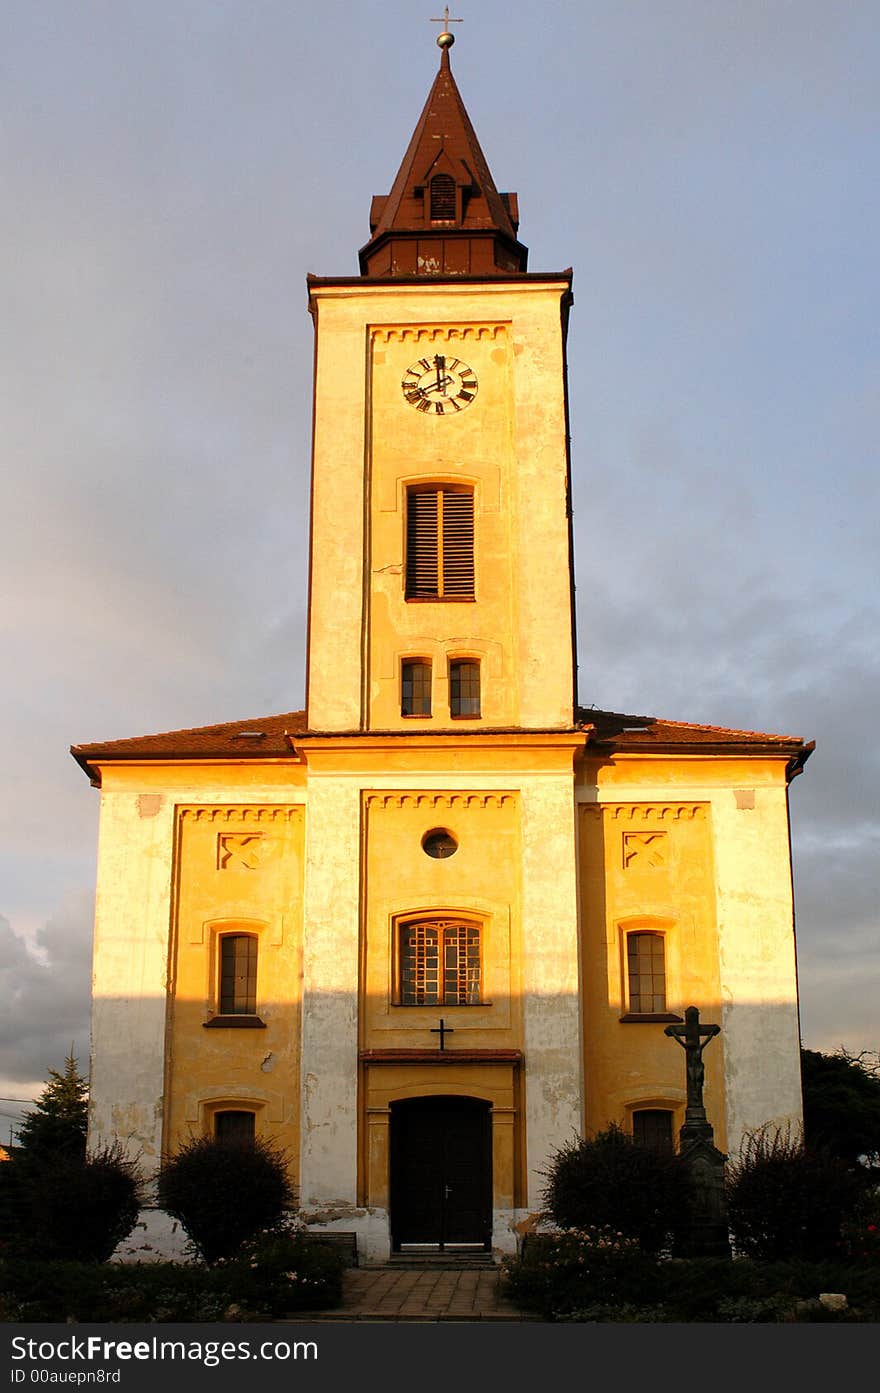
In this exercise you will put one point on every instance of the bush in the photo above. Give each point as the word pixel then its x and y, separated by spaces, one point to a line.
pixel 787 1201
pixel 578 1269
pixel 609 1181
pixel 286 1269
pixel 276 1275
pixel 224 1193
pixel 72 1209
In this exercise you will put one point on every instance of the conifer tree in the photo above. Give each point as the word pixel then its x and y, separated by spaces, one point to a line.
pixel 57 1125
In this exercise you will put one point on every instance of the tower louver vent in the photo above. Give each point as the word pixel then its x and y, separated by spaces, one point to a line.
pixel 442 198
pixel 439 545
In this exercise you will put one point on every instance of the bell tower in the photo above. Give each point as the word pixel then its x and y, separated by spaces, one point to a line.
pixel 441 570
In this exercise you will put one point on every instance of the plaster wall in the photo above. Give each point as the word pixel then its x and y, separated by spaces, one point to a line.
pixel 550 972
pixel 329 1123
pixel 134 911
pixel 737 895
pixel 509 445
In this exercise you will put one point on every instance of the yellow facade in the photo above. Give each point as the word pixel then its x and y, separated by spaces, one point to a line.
pixel 574 840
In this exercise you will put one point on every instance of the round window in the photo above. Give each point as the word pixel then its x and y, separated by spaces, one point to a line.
pixel 439 843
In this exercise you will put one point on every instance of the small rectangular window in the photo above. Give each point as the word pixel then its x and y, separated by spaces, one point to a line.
pixel 652 1128
pixel 234 1125
pixel 238 975
pixel 646 970
pixel 415 688
pixel 464 689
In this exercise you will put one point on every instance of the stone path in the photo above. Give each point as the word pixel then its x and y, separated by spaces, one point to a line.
pixel 416 1294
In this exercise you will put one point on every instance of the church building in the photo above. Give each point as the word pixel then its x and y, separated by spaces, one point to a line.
pixel 426 930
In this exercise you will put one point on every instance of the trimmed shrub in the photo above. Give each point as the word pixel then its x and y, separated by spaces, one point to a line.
pixel 74 1208
pixel 225 1192
pixel 786 1201
pixel 609 1181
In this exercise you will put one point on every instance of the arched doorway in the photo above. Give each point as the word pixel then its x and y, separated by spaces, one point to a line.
pixel 441 1173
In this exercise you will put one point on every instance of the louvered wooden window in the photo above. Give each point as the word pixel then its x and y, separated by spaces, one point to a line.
pixel 439 544
pixel 415 688
pixel 439 963
pixel 234 1125
pixel 442 198
pixel 464 689
pixel 238 975
pixel 652 1128
pixel 646 967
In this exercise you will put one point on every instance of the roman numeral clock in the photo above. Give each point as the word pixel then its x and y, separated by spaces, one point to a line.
pixel 439 385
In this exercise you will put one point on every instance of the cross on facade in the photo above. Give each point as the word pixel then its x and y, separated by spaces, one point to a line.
pixel 442 1030
pixel 693 1039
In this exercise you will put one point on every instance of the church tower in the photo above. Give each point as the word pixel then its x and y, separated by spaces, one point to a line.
pixel 441 591
pixel 427 929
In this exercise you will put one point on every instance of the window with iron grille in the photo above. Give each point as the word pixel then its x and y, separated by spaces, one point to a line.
pixel 646 969
pixel 234 1125
pixel 238 975
pixel 415 688
pixel 464 688
pixel 439 544
pixel 652 1127
pixel 439 963
pixel 443 198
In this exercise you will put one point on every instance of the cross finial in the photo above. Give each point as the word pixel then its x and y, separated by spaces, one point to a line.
pixel 445 39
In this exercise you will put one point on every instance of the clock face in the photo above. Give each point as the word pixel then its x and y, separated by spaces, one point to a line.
pixel 439 385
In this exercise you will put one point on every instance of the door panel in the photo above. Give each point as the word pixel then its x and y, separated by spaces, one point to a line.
pixel 441 1172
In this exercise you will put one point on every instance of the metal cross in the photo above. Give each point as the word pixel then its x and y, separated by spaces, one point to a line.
pixel 446 21
pixel 442 1031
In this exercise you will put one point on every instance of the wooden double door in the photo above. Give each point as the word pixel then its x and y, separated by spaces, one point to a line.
pixel 441 1173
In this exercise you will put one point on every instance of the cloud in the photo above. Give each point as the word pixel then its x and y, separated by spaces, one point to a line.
pixel 46 993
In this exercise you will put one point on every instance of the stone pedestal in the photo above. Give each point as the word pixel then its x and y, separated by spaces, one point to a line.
pixel 704 1234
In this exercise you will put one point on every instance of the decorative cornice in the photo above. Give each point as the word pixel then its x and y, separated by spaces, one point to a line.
pixel 443 802
pixel 241 814
pixel 646 812
pixel 403 333
pixel 438 1056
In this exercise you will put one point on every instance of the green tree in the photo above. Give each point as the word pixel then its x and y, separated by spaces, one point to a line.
pixel 57 1125
pixel 842 1103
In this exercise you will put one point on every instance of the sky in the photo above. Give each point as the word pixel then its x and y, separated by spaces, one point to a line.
pixel 171 172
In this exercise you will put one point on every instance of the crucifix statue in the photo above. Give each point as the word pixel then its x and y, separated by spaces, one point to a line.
pixel 693 1039
pixel 442 1030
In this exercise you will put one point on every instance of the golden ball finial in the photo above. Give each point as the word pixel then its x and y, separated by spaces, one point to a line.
pixel 446 39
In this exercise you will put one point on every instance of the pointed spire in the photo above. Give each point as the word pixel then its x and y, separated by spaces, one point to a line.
pixel 444 215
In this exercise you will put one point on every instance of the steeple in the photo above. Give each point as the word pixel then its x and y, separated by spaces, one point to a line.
pixel 444 216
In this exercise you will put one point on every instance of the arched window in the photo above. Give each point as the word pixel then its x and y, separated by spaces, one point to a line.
pixel 443 198
pixel 439 543
pixel 234 1125
pixel 439 963
pixel 646 973
pixel 238 975
pixel 652 1128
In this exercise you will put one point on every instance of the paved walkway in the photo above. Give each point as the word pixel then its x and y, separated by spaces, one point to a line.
pixel 416 1294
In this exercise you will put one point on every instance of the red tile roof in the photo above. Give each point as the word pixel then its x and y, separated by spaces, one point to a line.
pixel 625 732
pixel 260 737
pixel 265 737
